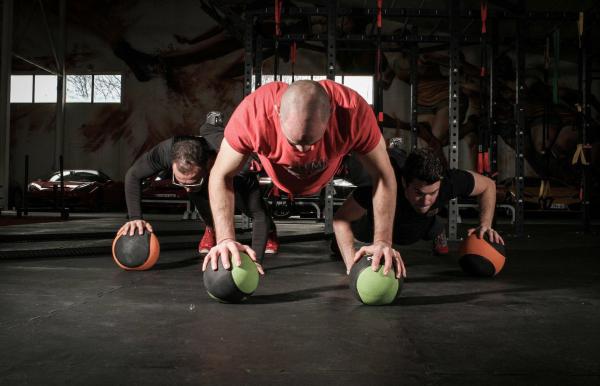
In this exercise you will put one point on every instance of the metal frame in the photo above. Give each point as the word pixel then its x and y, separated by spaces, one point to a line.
pixel 453 110
pixel 585 79
pixel 331 50
pixel 519 112
pixel 453 14
pixel 414 104
pixel 5 70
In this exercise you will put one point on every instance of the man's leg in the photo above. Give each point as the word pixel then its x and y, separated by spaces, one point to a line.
pixel 249 200
pixel 201 203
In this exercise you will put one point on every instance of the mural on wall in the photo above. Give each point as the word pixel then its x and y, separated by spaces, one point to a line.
pixel 182 60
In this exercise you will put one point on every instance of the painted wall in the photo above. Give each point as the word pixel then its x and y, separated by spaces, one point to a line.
pixel 178 64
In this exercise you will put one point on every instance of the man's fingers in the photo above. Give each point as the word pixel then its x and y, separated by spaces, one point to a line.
pixel 387 261
pixel 376 261
pixel 359 254
pixel 400 270
pixel 470 231
pixel 403 268
pixel 149 227
pixel 481 232
pixel 214 262
pixel 500 239
pixel 235 255
pixel 250 252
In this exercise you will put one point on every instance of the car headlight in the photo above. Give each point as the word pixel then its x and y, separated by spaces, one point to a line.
pixel 34 186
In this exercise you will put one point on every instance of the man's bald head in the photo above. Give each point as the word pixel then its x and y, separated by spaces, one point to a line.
pixel 304 112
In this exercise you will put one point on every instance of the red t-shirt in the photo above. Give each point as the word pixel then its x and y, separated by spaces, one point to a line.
pixel 254 128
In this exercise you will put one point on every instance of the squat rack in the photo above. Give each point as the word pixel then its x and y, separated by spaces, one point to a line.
pixel 254 43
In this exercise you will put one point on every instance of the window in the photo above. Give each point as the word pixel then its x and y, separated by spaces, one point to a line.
pixel 361 84
pixel 80 88
pixel 107 88
pixel 45 89
pixel 21 88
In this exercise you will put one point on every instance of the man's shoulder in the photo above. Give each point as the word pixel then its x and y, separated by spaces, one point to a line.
pixel 268 91
pixel 341 95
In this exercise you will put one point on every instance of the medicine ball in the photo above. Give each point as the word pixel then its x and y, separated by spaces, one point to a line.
pixel 480 257
pixel 232 285
pixel 373 287
pixel 137 252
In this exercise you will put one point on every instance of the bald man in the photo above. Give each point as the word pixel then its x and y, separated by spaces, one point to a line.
pixel 301 133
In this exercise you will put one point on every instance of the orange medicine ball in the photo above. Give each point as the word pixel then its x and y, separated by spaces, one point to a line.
pixel 479 257
pixel 137 252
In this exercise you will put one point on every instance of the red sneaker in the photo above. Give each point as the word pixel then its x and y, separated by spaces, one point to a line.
pixel 208 240
pixel 440 244
pixel 272 243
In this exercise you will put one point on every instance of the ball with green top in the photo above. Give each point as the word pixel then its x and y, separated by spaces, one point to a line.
pixel 373 287
pixel 232 285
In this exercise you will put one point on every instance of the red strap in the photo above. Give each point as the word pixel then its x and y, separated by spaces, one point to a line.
pixel 278 17
pixel 380 116
pixel 379 5
pixel 378 64
pixel 486 162
pixel 482 74
pixel 480 163
pixel 484 13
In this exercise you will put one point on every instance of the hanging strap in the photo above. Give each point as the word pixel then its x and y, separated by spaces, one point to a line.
pixel 579 156
pixel 556 65
pixel 378 59
pixel 544 189
pixel 580 26
pixel 293 57
pixel 278 17
pixel 484 14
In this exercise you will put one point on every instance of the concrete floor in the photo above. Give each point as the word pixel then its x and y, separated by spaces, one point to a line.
pixel 78 319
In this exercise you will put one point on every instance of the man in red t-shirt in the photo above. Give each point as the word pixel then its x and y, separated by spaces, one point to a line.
pixel 300 133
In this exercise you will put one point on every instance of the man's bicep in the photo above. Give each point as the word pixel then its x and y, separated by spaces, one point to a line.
pixel 377 161
pixel 229 161
pixel 470 184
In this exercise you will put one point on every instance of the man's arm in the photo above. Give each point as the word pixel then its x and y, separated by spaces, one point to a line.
pixel 342 226
pixel 484 189
pixel 378 165
pixel 149 163
pixel 222 203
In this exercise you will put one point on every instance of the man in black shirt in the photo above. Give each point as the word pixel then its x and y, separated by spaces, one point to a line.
pixel 424 187
pixel 191 159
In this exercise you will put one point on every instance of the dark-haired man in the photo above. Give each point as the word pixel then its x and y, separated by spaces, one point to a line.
pixel 190 158
pixel 424 187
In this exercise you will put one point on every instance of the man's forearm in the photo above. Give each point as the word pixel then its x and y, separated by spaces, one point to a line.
pixel 384 208
pixel 222 205
pixel 345 240
pixel 487 206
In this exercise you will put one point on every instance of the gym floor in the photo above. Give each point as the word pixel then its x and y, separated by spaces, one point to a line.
pixel 71 316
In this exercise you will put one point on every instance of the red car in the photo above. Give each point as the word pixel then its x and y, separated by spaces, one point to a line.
pixel 84 189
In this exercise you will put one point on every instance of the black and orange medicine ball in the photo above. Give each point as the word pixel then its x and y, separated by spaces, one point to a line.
pixel 137 252
pixel 480 257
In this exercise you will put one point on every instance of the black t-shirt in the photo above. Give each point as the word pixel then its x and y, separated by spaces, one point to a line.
pixel 409 226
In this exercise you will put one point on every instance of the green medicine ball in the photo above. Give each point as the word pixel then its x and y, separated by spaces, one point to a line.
pixel 373 287
pixel 232 285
